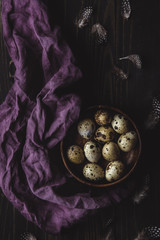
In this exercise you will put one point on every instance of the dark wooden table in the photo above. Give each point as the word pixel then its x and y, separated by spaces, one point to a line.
pixel 140 35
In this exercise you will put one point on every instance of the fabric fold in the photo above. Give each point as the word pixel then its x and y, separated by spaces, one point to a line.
pixel 34 119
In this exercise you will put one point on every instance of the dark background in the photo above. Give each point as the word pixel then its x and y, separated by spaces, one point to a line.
pixel 140 34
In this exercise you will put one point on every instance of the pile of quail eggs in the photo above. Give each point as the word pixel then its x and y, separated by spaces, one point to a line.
pixel 106 136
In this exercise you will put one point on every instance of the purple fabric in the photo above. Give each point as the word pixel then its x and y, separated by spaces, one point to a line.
pixel 34 119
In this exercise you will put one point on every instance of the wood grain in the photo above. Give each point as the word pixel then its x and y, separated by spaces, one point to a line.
pixel 141 35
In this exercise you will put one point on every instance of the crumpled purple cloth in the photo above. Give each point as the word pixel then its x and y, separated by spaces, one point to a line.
pixel 34 119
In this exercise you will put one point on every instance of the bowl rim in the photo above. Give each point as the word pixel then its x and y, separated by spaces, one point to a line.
pixel 105 185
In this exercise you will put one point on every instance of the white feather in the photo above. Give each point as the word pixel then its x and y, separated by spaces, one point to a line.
pixel 28 236
pixel 100 32
pixel 142 193
pixel 84 17
pixel 135 59
pixel 120 73
pixel 153 231
pixel 142 235
pixel 109 235
pixel 125 9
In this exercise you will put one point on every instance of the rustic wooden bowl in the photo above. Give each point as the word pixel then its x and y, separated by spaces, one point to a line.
pixel 73 138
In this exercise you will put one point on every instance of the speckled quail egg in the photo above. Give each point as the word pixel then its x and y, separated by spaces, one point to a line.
pixel 111 151
pixel 93 172
pixel 127 141
pixel 114 171
pixel 104 134
pixel 75 154
pixel 92 151
pixel 86 128
pixel 120 124
pixel 103 117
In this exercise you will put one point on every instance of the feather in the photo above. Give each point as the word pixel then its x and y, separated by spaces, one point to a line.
pixel 84 17
pixel 156 106
pixel 153 232
pixel 135 59
pixel 147 179
pixel 142 235
pixel 142 193
pixel 119 73
pixel 139 196
pixel 109 222
pixel 109 235
pixel 125 9
pixel 100 32
pixel 153 117
pixel 151 121
pixel 28 236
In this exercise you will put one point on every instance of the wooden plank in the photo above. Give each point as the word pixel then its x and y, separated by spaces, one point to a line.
pixel 141 35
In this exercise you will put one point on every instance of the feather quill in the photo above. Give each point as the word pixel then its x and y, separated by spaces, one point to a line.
pixel 109 235
pixel 119 73
pixel 135 59
pixel 125 9
pixel 142 193
pixel 100 32
pixel 84 17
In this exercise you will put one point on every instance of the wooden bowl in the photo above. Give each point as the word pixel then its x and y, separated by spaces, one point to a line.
pixel 73 138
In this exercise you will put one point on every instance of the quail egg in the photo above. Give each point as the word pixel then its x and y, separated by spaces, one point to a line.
pixel 75 154
pixel 114 171
pixel 104 134
pixel 111 151
pixel 127 141
pixel 86 128
pixel 92 151
pixel 103 117
pixel 93 172
pixel 120 123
